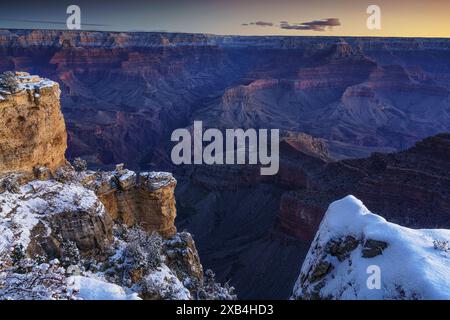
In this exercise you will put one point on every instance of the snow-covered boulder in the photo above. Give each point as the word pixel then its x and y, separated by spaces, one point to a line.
pixel 41 215
pixel 163 284
pixel 359 255
pixel 95 289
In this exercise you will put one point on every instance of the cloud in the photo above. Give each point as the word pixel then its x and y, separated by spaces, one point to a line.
pixel 259 24
pixel 316 25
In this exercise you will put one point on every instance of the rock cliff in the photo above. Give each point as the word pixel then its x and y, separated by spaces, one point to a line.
pixel 146 199
pixel 360 94
pixel 359 255
pixel 70 233
pixel 408 187
pixel 32 129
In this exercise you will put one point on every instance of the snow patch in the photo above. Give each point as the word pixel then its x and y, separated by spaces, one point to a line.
pixel 93 289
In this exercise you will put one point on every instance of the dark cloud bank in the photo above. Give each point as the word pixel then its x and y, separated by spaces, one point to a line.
pixel 315 25
pixel 259 24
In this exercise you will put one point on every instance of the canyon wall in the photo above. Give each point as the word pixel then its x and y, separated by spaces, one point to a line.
pixel 33 144
pixel 124 93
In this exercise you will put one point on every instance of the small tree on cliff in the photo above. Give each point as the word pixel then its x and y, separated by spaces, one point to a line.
pixel 79 165
pixel 8 81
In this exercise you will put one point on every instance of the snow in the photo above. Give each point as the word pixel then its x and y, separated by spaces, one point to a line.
pixel 128 174
pixel 411 267
pixel 167 284
pixel 27 81
pixel 156 179
pixel 94 289
pixel 21 212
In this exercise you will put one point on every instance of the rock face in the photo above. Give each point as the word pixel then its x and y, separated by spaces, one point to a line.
pixel 359 255
pixel 408 188
pixel 47 214
pixel 32 128
pixel 147 201
pixel 124 93
pixel 183 256
pixel 56 224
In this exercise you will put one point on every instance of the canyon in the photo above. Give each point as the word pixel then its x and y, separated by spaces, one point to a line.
pixel 71 233
pixel 351 113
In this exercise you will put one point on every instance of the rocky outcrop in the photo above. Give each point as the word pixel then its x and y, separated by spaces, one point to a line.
pixel 44 215
pixel 57 220
pixel 146 200
pixel 32 128
pixel 183 257
pixel 359 255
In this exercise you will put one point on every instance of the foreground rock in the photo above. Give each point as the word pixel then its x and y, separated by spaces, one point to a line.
pixel 359 255
pixel 58 241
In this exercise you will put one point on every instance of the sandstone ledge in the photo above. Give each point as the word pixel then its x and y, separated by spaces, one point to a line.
pixel 146 200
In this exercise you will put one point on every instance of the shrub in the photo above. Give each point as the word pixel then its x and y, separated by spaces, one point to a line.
pixel 41 282
pixel 64 175
pixel 212 290
pixel 143 251
pixel 8 81
pixel 79 165
pixel 10 184
pixel 70 254
pixel 441 245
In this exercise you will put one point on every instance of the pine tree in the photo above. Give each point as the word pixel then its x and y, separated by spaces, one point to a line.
pixel 8 81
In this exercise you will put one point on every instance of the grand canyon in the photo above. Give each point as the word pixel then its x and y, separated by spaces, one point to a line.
pixel 367 117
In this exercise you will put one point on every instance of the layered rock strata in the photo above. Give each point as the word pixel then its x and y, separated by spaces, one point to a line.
pixel 145 199
pixel 32 128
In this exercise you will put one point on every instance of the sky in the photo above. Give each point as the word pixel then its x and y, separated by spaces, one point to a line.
pixel 399 18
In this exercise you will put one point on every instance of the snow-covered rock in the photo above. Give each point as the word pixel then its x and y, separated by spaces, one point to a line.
pixel 162 283
pixel 359 255
pixel 156 179
pixel 27 81
pixel 57 220
pixel 94 289
pixel 43 212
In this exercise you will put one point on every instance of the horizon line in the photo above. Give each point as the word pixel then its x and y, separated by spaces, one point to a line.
pixel 231 35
